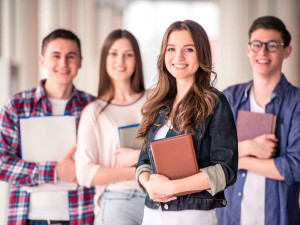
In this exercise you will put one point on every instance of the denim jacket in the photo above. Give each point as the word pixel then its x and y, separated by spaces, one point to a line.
pixel 215 142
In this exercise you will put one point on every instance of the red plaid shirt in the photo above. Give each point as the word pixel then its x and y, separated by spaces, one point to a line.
pixel 17 172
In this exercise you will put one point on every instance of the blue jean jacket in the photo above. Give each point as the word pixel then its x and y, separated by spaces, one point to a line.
pixel 215 142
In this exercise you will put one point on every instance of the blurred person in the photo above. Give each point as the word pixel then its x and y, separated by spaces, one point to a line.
pixel 100 160
pixel 61 57
pixel 184 101
pixel 267 187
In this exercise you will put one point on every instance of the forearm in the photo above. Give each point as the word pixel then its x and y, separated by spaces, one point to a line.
pixel 107 175
pixel 243 148
pixel 197 182
pixel 264 167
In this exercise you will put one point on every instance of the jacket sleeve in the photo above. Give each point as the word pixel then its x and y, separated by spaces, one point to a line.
pixel 223 138
pixel 12 168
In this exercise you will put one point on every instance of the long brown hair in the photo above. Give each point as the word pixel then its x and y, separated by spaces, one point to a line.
pixel 199 101
pixel 137 79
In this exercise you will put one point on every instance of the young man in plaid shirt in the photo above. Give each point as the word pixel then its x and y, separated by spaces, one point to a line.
pixel 61 57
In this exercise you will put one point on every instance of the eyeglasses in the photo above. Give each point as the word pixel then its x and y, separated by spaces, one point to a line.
pixel 271 46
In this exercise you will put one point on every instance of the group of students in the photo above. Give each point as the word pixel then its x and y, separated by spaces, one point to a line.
pixel 248 182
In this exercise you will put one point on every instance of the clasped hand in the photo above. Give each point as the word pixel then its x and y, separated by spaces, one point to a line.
pixel 65 167
pixel 126 157
pixel 158 188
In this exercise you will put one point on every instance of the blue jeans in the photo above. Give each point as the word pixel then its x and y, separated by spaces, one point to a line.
pixel 121 207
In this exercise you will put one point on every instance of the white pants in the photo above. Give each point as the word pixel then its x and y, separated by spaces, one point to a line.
pixel 184 217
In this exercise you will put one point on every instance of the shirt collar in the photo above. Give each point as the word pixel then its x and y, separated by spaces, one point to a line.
pixel 40 92
pixel 278 90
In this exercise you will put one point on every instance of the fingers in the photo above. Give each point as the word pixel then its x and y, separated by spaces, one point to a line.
pixel 71 152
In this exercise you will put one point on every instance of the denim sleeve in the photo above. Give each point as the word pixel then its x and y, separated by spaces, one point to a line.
pixel 223 136
pixel 288 161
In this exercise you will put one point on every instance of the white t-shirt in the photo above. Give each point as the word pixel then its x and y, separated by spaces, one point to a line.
pixel 51 205
pixel 253 202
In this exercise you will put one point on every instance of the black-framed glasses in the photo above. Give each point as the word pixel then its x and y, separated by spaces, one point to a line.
pixel 271 46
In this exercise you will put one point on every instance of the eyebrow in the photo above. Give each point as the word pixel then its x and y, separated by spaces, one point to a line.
pixel 115 49
pixel 188 45
pixel 69 53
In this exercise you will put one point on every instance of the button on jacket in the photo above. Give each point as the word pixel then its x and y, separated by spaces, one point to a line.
pixel 281 197
pixel 34 102
pixel 215 142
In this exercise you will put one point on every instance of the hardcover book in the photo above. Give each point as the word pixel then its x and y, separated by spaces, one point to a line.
pixel 251 124
pixel 175 157
pixel 127 134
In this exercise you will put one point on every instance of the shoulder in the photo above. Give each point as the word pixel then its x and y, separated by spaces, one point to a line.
pixel 85 97
pixel 21 99
pixel 236 89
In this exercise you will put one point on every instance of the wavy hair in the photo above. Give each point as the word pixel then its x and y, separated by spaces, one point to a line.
pixel 137 79
pixel 199 101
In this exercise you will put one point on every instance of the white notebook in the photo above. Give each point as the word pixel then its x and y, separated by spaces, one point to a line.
pixel 47 138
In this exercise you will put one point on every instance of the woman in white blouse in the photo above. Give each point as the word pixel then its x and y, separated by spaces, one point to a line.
pixel 100 161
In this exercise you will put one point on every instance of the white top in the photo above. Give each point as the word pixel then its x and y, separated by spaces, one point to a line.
pixel 253 202
pixel 52 205
pixel 98 139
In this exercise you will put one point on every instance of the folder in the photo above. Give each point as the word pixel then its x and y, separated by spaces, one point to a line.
pixel 47 138
pixel 127 134
pixel 175 157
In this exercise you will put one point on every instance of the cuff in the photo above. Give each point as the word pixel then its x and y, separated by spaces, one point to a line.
pixel 138 171
pixel 46 172
pixel 216 178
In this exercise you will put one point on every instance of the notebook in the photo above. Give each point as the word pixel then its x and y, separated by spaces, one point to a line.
pixel 252 124
pixel 175 157
pixel 127 134
pixel 47 138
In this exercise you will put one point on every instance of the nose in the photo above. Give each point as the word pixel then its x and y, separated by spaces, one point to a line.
pixel 120 58
pixel 63 61
pixel 179 54
pixel 263 49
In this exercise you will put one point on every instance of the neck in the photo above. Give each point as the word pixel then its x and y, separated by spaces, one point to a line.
pixel 183 87
pixel 57 91
pixel 263 87
pixel 123 93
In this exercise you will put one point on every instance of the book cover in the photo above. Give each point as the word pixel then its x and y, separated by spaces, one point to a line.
pixel 127 134
pixel 175 157
pixel 251 124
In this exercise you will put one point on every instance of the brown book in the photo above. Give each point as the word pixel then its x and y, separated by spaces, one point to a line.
pixel 251 124
pixel 175 157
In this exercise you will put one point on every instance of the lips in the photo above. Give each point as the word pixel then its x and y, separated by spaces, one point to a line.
pixel 120 69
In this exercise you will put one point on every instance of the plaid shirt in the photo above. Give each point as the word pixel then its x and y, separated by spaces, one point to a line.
pixel 17 172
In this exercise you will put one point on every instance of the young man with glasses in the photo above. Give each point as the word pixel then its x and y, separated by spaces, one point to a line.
pixel 267 187
pixel 61 57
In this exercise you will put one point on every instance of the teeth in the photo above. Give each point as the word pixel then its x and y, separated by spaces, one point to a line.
pixel 180 66
pixel 263 61
pixel 120 68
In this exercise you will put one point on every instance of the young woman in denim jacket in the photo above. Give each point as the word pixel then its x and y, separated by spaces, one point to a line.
pixel 185 102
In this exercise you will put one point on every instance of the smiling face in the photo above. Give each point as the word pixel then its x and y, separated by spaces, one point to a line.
pixel 62 60
pixel 120 61
pixel 263 62
pixel 180 57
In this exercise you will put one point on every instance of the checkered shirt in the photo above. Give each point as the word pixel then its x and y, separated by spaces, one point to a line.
pixel 17 172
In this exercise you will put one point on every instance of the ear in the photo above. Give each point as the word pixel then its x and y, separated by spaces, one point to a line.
pixel 42 61
pixel 248 49
pixel 287 51
pixel 79 63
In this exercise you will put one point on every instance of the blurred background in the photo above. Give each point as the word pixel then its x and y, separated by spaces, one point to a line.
pixel 24 23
